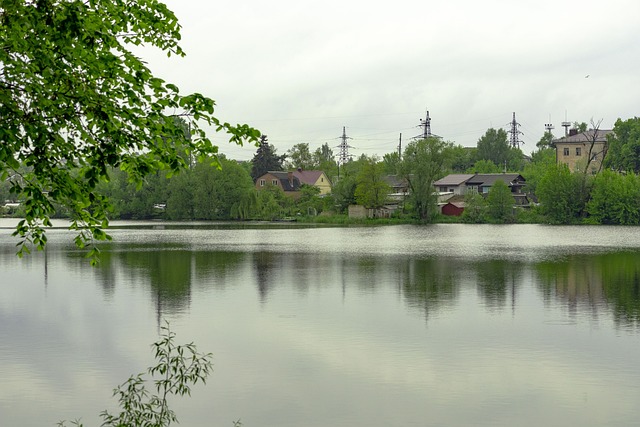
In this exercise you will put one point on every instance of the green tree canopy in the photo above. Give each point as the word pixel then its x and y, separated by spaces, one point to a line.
pixel 462 158
pixel 546 141
pixel 75 101
pixel 424 161
pixel 615 199
pixel 500 202
pixel 541 160
pixel 390 162
pixel 265 159
pixel 624 146
pixel 484 166
pixel 371 189
pixel 560 193
pixel 300 157
pixel 494 146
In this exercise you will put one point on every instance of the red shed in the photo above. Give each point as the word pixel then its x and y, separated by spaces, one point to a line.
pixel 453 208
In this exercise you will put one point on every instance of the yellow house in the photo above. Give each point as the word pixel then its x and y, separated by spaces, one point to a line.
pixel 316 178
pixel 576 150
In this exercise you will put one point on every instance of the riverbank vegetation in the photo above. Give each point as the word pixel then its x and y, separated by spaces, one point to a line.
pixel 226 191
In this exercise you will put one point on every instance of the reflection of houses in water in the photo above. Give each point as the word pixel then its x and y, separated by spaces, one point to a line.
pixel 576 282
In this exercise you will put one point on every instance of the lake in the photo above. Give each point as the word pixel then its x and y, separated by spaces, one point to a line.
pixel 403 325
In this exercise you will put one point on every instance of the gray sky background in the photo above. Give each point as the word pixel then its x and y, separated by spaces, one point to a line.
pixel 301 70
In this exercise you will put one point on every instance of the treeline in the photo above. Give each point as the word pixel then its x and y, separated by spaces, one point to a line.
pixel 207 192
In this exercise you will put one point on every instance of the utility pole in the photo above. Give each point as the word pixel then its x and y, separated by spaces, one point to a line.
pixel 514 139
pixel 400 146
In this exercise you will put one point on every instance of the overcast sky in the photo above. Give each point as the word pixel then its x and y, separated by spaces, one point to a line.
pixel 301 70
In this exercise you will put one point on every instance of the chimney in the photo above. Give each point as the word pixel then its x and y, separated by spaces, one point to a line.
pixel 290 177
pixel 573 132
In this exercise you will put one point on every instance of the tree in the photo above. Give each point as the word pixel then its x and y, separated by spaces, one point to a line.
pixel 424 161
pixel 615 199
pixel 324 161
pixel 546 141
pixel 580 126
pixel 624 146
pixel 215 190
pixel 178 368
pixel 343 193
pixel 494 146
pixel 541 161
pixel 559 192
pixel 461 158
pixel 390 162
pixel 76 101
pixel 300 157
pixel 475 207
pixel 484 166
pixel 500 202
pixel 371 189
pixel 265 159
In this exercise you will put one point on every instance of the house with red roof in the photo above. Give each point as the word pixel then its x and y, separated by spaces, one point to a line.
pixel 316 178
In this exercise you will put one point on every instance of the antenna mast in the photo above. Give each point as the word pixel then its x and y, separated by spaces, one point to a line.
pixel 566 125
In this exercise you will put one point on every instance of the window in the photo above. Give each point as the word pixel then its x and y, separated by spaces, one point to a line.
pixel 274 181
pixel 578 151
pixel 262 182
pixel 565 151
pixel 443 189
pixel 321 179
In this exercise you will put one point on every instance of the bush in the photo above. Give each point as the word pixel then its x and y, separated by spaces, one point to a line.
pixel 179 367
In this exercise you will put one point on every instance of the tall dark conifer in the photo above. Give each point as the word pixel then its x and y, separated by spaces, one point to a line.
pixel 265 159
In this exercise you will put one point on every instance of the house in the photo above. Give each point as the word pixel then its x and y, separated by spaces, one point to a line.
pixel 316 178
pixel 576 150
pixel 482 182
pixel 452 188
pixel 454 183
pixel 399 187
pixel 286 181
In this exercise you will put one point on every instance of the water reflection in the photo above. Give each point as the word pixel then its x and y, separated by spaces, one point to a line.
pixel 430 284
pixel 472 333
pixel 593 282
pixel 599 282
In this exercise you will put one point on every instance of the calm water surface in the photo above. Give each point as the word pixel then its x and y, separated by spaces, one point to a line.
pixel 523 325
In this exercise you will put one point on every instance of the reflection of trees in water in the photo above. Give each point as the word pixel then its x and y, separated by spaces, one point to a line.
pixel 265 264
pixel 435 283
pixel 621 279
pixel 430 284
pixel 497 280
pixel 601 281
pixel 213 268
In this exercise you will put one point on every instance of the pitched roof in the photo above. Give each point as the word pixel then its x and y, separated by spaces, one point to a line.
pixel 453 179
pixel 395 181
pixel 489 179
pixel 587 136
pixel 307 177
pixel 283 177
